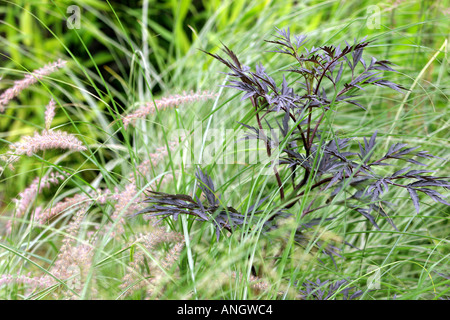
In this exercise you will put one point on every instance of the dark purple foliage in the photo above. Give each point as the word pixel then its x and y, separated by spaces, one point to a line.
pixel 328 165
pixel 165 205
pixel 325 290
pixel 335 166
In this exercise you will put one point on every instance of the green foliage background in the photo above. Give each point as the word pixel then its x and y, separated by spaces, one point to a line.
pixel 130 51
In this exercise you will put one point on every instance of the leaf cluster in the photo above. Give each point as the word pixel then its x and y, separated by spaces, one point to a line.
pixel 330 163
pixel 311 161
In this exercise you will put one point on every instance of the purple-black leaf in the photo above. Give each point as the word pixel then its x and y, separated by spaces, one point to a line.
pixel 415 198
